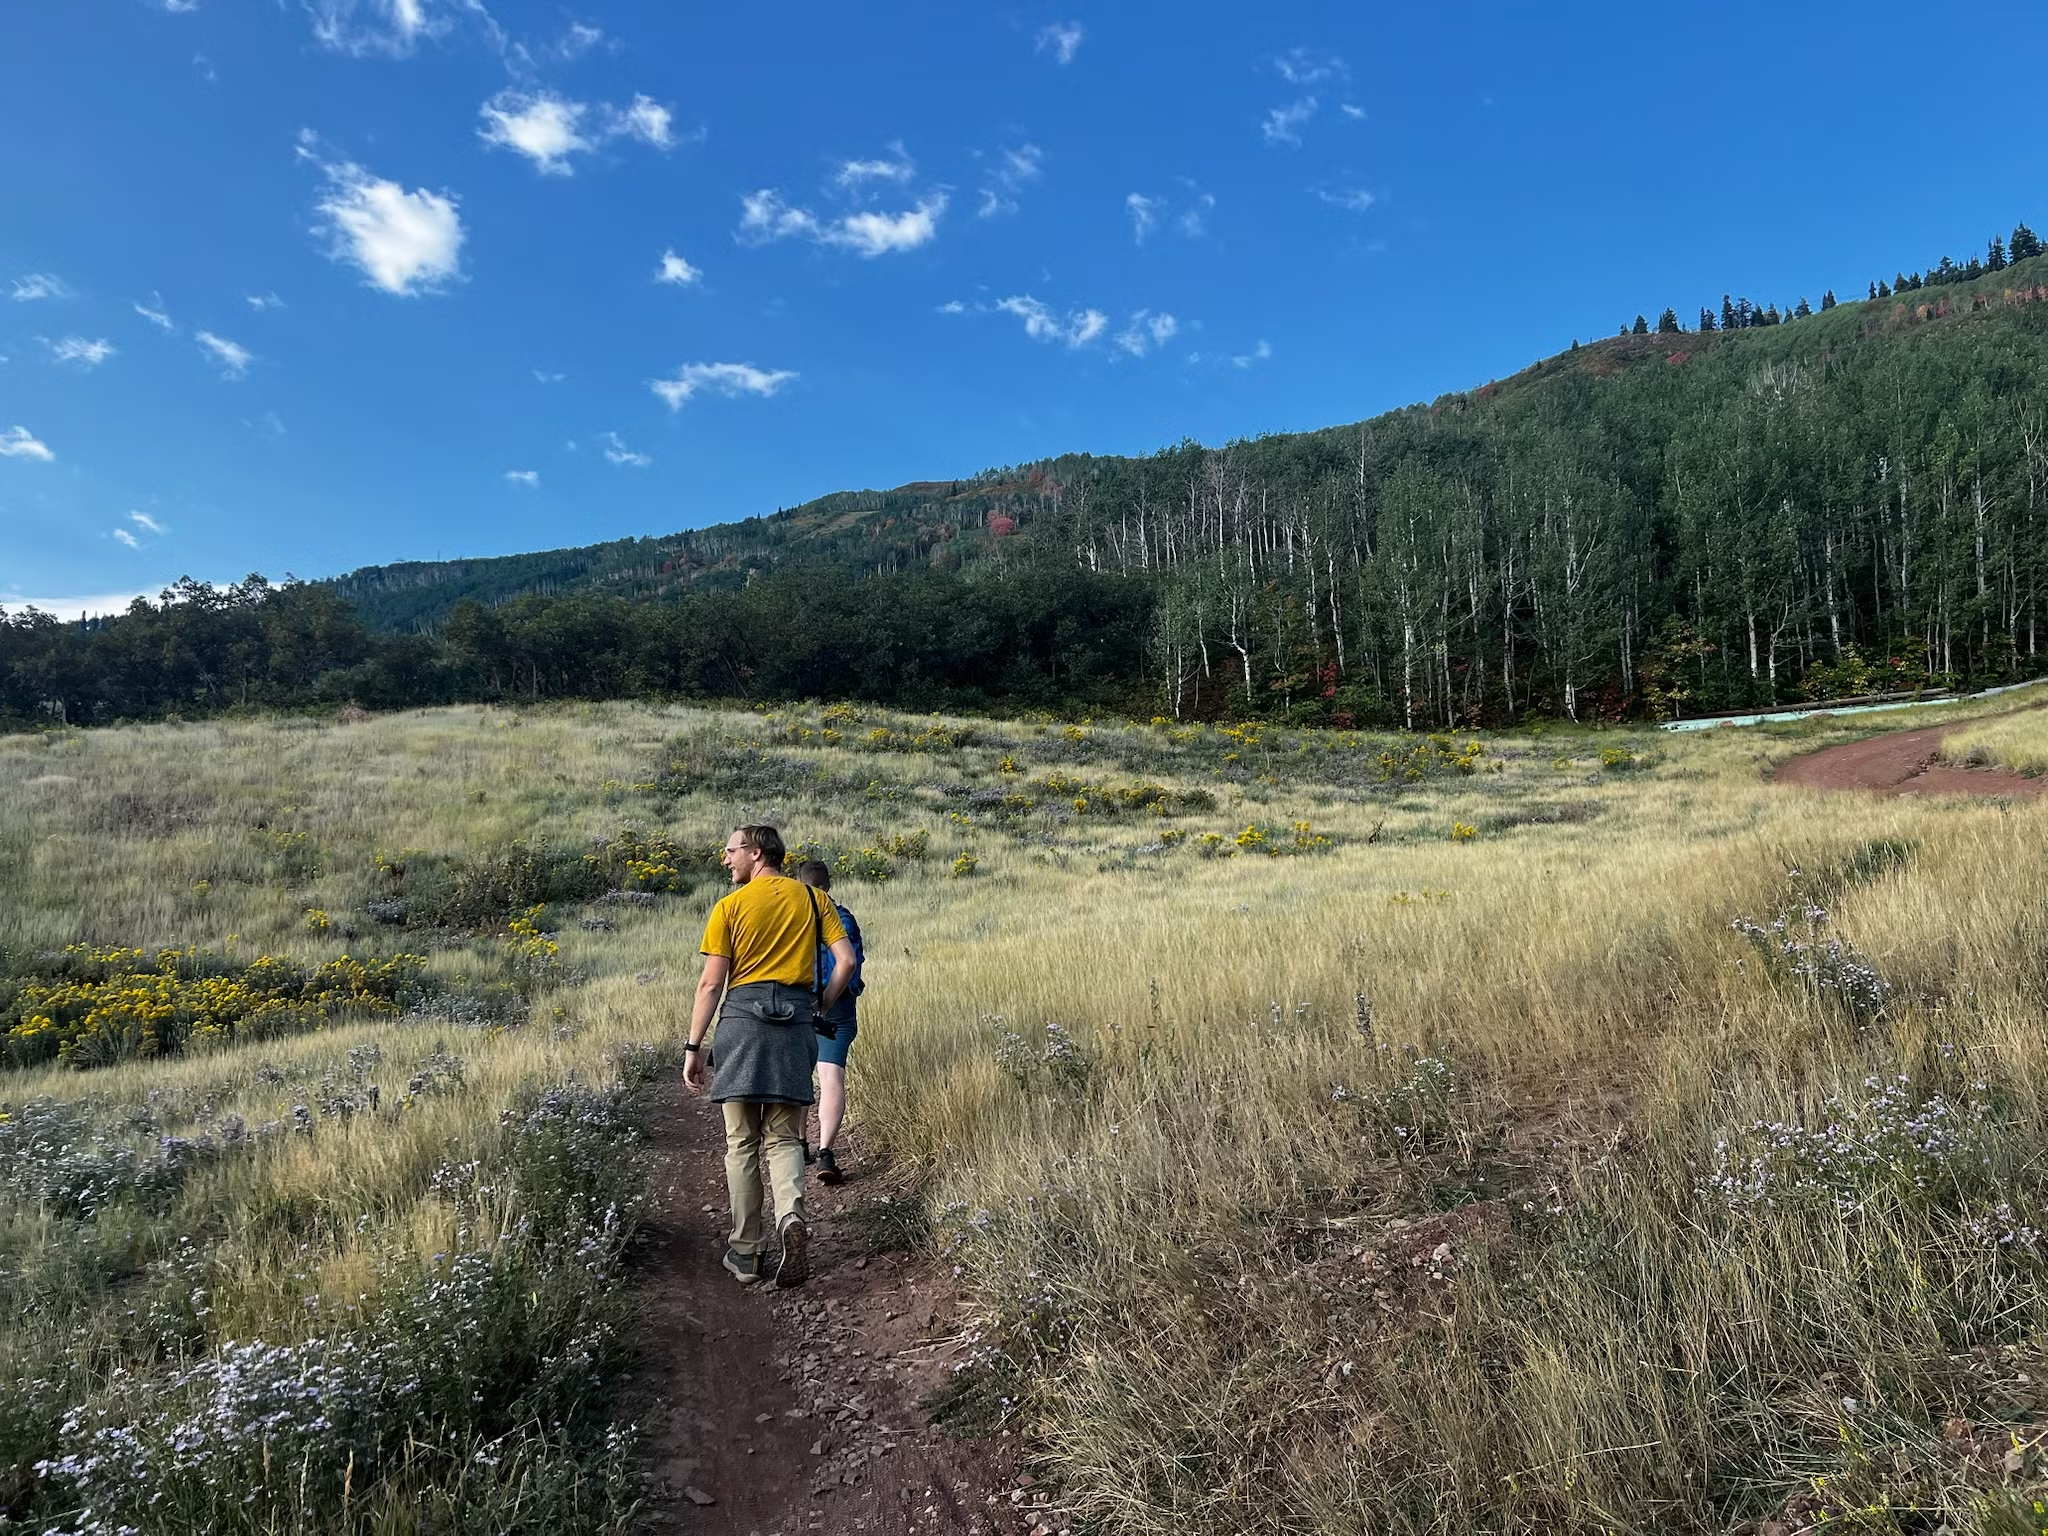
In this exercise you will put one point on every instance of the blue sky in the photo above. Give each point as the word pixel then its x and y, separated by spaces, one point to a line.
pixel 303 285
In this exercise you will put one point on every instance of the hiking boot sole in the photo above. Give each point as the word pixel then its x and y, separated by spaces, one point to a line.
pixel 794 1267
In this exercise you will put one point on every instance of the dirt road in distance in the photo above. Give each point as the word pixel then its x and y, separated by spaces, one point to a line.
pixel 1903 763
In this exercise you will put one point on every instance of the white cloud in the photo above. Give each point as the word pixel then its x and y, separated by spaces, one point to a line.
pixel 952 307
pixel 1350 199
pixel 404 242
pixel 1283 124
pixel 1257 354
pixel 127 538
pixel 1147 331
pixel 234 360
pixel 1009 174
pixel 578 40
pixel 765 216
pixel 16 443
pixel 527 477
pixel 154 313
pixel 76 349
pixel 646 120
pixel 730 379
pixel 1353 111
pixel 262 302
pixel 542 127
pixel 1062 39
pixel 1194 219
pixel 617 452
pixel 898 168
pixel 180 7
pixel 544 377
pixel 97 605
pixel 1305 66
pixel 390 27
pixel 1144 212
pixel 146 523
pixel 39 285
pixel 674 269
pixel 1076 328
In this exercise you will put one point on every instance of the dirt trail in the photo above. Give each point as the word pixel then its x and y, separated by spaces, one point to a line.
pixel 1903 763
pixel 798 1411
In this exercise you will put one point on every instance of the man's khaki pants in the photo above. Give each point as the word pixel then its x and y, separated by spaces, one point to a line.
pixel 748 1129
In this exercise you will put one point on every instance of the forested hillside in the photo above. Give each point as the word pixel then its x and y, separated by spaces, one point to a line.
pixel 1667 521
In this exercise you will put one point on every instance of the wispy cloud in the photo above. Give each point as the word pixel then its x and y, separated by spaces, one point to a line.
pixel 1258 354
pixel 548 129
pixel 1307 66
pixel 674 269
pixel 765 216
pixel 38 285
pixel 179 7
pixel 577 41
pixel 1148 212
pixel 897 168
pixel 1009 173
pixel 404 242
pixel 1061 39
pixel 617 452
pixel 693 379
pixel 76 349
pixel 1076 328
pixel 1144 212
pixel 147 523
pixel 234 360
pixel 1146 332
pixel 390 27
pixel 527 477
pixel 1283 124
pixel 542 126
pixel 17 443
pixel 155 313
pixel 644 119
pixel 1350 199
pixel 542 376
pixel 262 303
pixel 1353 111
pixel 125 537
pixel 952 307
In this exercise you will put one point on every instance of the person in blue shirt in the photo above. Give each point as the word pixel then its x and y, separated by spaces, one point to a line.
pixel 845 1025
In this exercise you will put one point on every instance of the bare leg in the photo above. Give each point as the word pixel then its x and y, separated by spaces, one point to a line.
pixel 831 1102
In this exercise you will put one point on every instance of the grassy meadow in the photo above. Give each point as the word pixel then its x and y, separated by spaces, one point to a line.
pixel 1559 1131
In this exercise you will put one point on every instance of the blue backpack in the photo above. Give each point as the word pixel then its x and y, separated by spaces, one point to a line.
pixel 826 964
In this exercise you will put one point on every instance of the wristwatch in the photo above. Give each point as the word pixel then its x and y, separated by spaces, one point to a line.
pixel 693 1045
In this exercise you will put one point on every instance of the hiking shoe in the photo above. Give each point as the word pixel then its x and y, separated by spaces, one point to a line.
pixel 743 1267
pixel 828 1167
pixel 794 1267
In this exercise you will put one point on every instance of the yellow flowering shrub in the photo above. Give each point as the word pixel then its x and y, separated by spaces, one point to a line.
pixel 95 1005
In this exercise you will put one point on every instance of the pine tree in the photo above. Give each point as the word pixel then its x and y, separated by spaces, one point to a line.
pixel 1667 323
pixel 1899 283
pixel 1972 268
pixel 1876 295
pixel 2024 244
pixel 1994 258
pixel 1804 309
pixel 1828 301
pixel 1771 315
pixel 1882 291
pixel 1706 319
pixel 1727 313
pixel 1642 326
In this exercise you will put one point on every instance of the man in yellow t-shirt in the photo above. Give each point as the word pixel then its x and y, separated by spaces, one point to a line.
pixel 760 983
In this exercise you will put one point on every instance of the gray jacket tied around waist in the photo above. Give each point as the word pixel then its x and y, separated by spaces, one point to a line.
pixel 766 1048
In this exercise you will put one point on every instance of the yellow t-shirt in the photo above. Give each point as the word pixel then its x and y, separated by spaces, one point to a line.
pixel 766 929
